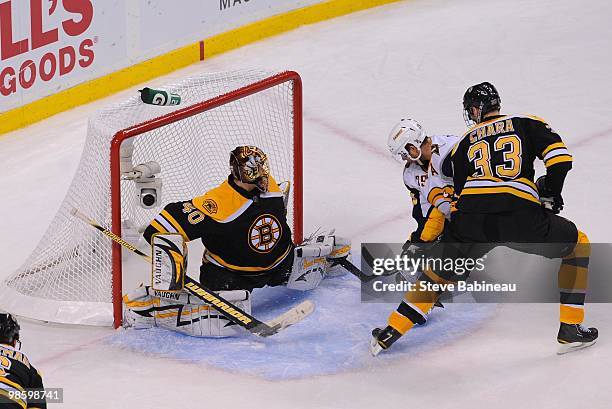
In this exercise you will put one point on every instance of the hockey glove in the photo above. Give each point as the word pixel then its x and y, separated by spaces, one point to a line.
pixel 416 249
pixel 553 202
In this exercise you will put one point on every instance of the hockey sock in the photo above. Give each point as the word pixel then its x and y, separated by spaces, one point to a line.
pixel 573 275
pixel 416 305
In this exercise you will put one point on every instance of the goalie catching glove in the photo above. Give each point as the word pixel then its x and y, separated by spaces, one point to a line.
pixel 317 258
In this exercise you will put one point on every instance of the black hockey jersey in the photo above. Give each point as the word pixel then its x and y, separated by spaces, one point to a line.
pixel 242 231
pixel 16 376
pixel 493 163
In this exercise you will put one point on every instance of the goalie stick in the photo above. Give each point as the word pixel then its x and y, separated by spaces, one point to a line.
pixel 226 308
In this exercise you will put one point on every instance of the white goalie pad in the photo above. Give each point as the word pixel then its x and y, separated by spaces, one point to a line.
pixel 314 260
pixel 146 307
pixel 168 261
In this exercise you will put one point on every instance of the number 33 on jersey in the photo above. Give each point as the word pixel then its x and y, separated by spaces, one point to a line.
pixel 493 163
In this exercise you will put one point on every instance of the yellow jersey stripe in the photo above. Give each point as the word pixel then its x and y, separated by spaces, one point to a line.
pixel 553 146
pixel 524 181
pixel 480 125
pixel 174 223
pixel 157 226
pixel 497 190
pixel 537 118
pixel 8 382
pixel 240 268
pixel 558 159
pixel 19 402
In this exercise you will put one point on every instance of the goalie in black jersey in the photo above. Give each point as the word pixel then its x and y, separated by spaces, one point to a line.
pixel 243 226
pixel 19 380
pixel 498 202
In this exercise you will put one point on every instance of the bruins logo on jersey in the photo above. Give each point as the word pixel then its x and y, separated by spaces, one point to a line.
pixel 210 206
pixel 264 233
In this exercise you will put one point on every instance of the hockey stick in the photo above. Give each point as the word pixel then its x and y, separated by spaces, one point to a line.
pixel 226 308
pixel 356 271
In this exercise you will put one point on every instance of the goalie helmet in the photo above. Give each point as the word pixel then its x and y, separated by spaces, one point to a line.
pixel 483 96
pixel 249 164
pixel 406 132
pixel 9 329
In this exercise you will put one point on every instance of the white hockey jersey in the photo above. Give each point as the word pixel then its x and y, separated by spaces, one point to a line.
pixel 415 180
pixel 439 188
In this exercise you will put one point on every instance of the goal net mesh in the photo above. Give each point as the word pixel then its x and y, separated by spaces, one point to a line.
pixel 68 277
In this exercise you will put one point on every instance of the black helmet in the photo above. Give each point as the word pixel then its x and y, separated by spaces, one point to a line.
pixel 249 164
pixel 9 329
pixel 483 96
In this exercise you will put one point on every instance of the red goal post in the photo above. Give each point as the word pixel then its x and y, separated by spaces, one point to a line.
pixel 181 114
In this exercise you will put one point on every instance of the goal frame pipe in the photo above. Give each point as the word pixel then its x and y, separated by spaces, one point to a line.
pixel 195 109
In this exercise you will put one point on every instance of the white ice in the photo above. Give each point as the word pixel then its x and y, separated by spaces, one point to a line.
pixel 362 73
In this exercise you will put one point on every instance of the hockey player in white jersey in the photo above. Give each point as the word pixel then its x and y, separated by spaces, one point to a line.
pixel 401 143
pixel 432 192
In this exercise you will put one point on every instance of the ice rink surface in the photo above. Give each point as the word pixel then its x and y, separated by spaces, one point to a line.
pixel 361 74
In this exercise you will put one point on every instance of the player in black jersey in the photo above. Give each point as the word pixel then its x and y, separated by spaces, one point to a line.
pixel 243 226
pixel 498 202
pixel 16 373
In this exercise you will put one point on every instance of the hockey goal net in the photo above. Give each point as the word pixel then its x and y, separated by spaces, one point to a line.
pixel 75 274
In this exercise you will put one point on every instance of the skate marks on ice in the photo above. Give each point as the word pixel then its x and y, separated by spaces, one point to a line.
pixel 333 339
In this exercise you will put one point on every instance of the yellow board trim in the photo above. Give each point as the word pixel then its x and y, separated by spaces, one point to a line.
pixel 117 81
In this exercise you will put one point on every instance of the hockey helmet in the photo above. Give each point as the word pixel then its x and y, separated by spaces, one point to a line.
pixel 406 132
pixel 9 329
pixel 249 164
pixel 483 96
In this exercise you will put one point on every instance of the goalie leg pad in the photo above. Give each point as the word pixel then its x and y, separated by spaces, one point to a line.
pixel 138 307
pixel 180 312
pixel 169 259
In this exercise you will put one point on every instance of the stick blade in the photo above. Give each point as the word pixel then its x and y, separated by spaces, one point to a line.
pixel 287 319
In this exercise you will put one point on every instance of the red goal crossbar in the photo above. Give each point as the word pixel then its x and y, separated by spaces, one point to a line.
pixel 119 137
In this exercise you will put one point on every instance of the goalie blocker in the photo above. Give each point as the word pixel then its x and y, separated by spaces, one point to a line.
pixel 165 304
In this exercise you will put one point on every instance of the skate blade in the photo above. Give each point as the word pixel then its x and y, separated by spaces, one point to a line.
pixel 375 347
pixel 574 346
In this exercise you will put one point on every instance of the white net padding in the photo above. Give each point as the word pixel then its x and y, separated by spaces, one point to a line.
pixel 68 277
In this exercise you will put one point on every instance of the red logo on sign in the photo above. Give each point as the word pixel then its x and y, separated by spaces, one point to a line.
pixel 53 63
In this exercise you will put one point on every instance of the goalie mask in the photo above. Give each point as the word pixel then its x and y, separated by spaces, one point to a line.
pixel 249 164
